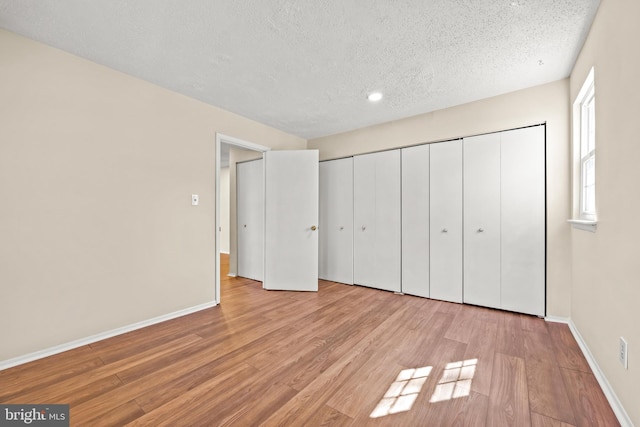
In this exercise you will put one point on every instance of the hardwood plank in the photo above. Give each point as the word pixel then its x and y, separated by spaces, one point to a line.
pixel 461 411
pixel 510 339
pixel 40 376
pixel 309 367
pixel 568 352
pixel 196 369
pixel 86 391
pixel 120 416
pixel 548 395
pixel 277 355
pixel 122 346
pixel 482 347
pixel 157 382
pixel 327 416
pixel 429 335
pixel 39 371
pixel 538 420
pixel 187 409
pixel 539 347
pixel 366 386
pixel 533 324
pixel 258 405
pixel 465 411
pixel 508 399
pixel 589 404
pixel 69 388
pixel 461 328
pixel 146 363
pixel 448 307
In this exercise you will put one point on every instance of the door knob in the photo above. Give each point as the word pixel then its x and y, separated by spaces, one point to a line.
pixel 444 230
pixel 313 228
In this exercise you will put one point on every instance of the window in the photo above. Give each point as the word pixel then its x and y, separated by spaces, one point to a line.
pixel 584 148
pixel 588 155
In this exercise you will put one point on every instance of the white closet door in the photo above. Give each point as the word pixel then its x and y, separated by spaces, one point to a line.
pixel 377 220
pixel 415 220
pixel 250 219
pixel 523 220
pixel 336 221
pixel 446 221
pixel 482 220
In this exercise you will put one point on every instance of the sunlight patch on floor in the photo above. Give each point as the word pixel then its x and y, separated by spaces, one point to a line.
pixel 455 381
pixel 402 392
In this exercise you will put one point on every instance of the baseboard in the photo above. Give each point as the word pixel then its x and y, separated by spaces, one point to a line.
pixel 224 252
pixel 556 319
pixel 611 396
pixel 231 275
pixel 10 363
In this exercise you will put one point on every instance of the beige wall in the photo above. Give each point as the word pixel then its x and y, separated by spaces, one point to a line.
pixel 606 264
pixel 96 173
pixel 547 103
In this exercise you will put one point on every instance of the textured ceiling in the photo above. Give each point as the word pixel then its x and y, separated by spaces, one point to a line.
pixel 306 66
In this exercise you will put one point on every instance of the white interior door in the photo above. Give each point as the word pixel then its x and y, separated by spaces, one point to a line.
pixel 336 221
pixel 482 220
pixel 415 220
pixel 291 220
pixel 445 281
pixel 250 218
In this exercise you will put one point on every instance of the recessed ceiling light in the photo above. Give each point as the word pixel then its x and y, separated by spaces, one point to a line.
pixel 374 96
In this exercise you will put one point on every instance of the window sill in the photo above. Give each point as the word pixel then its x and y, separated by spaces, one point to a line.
pixel 584 224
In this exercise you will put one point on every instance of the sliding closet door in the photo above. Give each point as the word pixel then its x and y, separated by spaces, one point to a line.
pixel 523 220
pixel 445 230
pixel 377 221
pixel 250 218
pixel 336 221
pixel 415 220
pixel 482 220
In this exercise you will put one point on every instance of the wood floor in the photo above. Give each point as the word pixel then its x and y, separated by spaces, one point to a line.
pixel 345 356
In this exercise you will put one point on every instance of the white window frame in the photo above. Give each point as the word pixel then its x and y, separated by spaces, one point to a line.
pixel 584 149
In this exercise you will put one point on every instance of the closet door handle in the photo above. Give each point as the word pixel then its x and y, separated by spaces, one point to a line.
pixel 444 230
pixel 480 230
pixel 364 228
pixel 314 228
pixel 341 228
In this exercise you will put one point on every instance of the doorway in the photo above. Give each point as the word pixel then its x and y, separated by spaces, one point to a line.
pixel 224 145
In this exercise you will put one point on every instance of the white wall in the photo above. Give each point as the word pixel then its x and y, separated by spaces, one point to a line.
pixel 225 197
pixel 547 103
pixel 97 169
pixel 605 289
